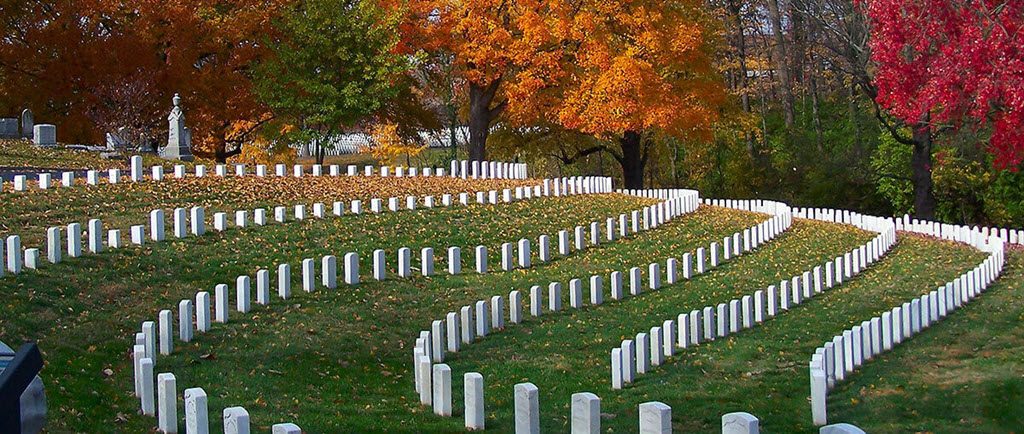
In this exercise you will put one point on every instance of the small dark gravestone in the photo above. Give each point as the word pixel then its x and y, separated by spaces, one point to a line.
pixel 27 122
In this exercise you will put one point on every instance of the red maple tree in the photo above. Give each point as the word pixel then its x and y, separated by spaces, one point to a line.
pixel 956 63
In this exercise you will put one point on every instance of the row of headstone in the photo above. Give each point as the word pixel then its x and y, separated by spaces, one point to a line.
pixel 137 173
pixel 935 229
pixel 434 382
pixel 487 170
pixel 199 316
pixel 634 357
pixel 195 316
pixel 746 423
pixel 585 408
pixel 836 359
pixel 9 126
pixel 161 401
pixel 478 320
pixel 193 221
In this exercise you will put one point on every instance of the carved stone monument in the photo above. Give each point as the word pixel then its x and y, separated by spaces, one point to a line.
pixel 27 124
pixel 179 137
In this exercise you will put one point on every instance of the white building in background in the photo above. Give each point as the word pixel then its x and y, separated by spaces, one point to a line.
pixel 352 143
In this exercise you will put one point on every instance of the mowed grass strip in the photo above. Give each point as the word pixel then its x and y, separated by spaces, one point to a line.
pixel 962 375
pixel 762 371
pixel 29 213
pixel 338 361
pixel 85 311
pixel 569 353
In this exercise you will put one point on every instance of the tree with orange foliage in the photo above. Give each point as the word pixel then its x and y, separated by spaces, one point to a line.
pixel 622 70
pixel 61 58
pixel 630 70
pixel 485 43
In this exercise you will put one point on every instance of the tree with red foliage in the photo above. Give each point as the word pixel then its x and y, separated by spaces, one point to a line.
pixel 953 64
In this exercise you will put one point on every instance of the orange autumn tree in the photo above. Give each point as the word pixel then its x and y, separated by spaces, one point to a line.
pixel 483 44
pixel 69 60
pixel 208 48
pixel 629 71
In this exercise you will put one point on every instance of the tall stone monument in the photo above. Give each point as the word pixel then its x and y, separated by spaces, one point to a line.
pixel 179 137
pixel 27 123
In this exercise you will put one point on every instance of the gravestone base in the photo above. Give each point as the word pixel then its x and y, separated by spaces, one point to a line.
pixel 182 153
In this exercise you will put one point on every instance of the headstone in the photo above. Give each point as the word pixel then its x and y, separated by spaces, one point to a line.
pixel 740 423
pixel 27 124
pixel 840 428
pixel 13 254
pixel 284 281
pixel 329 271
pixel 197 221
pixel 527 409
pixel 454 260
pixel 655 418
pixel 185 310
pixel 148 399
pixel 236 421
pixel 442 385
pixel 474 400
pixel 427 261
pixel 425 387
pixel 243 293
pixel 515 308
pixel 167 399
pixel 586 413
pixel 197 418
pixel 285 428
pixel 203 311
pixel 166 332
pixel 44 135
pixel 308 275
pixel 32 258
pixel 351 268
pixel 481 259
pixel 263 287
pixel 220 295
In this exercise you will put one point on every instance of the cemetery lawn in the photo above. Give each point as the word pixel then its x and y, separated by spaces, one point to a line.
pixel 963 375
pixel 30 213
pixel 339 360
pixel 85 311
pixel 763 370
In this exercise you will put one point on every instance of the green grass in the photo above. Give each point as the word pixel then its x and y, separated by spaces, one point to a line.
pixel 761 371
pixel 339 360
pixel 84 311
pixel 30 213
pixel 962 375
pixel 358 341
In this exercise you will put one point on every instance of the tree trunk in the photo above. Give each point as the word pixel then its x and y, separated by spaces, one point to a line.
pixel 921 171
pixel 815 110
pixel 851 107
pixel 782 62
pixel 741 53
pixel 481 116
pixel 632 160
